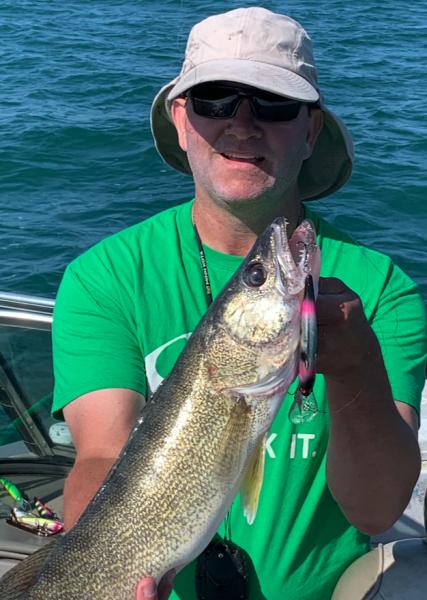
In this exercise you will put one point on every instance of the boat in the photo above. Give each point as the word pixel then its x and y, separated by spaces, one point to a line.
pixel 36 454
pixel 36 451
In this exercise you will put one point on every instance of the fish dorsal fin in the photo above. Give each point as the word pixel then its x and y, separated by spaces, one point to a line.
pixel 252 482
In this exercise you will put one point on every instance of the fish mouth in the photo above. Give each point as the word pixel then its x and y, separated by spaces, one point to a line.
pixel 296 257
pixel 285 263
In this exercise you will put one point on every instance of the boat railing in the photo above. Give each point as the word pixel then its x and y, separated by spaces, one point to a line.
pixel 21 310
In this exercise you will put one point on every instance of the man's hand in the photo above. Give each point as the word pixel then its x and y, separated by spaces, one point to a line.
pixel 373 458
pixel 345 338
pixel 147 589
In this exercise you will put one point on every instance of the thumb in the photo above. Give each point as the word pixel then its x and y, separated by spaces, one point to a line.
pixel 146 589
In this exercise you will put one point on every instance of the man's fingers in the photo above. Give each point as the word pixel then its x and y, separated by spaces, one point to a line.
pixel 332 285
pixel 332 310
pixel 335 301
pixel 146 589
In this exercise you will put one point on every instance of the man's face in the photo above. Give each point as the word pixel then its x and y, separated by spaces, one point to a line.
pixel 241 157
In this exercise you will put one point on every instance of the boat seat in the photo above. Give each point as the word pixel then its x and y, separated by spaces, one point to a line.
pixel 394 571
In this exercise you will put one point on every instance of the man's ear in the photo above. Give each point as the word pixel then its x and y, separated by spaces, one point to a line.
pixel 179 118
pixel 314 128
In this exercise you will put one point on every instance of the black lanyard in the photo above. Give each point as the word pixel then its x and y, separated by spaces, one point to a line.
pixel 202 255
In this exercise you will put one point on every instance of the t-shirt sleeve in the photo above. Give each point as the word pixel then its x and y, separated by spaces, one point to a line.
pixel 399 321
pixel 95 344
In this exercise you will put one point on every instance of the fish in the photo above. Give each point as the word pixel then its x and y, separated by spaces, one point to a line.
pixel 201 438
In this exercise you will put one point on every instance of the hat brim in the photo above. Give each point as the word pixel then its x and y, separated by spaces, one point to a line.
pixel 268 77
pixel 325 171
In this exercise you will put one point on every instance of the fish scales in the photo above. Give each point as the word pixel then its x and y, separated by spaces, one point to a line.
pixel 153 546
pixel 185 460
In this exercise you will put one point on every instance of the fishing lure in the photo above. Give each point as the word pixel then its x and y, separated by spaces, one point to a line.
pixel 304 407
pixel 34 517
pixel 43 509
pixel 34 523
pixel 21 500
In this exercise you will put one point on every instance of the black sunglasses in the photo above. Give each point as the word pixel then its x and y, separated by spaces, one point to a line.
pixel 221 101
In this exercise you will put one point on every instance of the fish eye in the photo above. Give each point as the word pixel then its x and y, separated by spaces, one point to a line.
pixel 255 275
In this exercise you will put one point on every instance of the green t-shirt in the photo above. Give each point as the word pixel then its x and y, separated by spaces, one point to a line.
pixel 123 314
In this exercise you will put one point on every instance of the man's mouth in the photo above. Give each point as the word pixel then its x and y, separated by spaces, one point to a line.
pixel 243 158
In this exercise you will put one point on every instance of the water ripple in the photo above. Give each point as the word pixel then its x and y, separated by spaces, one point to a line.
pixel 76 156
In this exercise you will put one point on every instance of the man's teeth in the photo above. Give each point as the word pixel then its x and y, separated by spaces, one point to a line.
pixel 253 159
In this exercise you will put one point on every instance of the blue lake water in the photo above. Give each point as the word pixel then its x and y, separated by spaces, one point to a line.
pixel 76 156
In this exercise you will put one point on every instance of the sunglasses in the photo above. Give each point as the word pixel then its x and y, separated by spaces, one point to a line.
pixel 221 101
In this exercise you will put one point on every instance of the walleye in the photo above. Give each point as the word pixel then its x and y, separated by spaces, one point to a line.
pixel 200 439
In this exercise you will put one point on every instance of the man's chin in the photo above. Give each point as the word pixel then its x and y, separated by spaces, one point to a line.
pixel 242 189
pixel 243 203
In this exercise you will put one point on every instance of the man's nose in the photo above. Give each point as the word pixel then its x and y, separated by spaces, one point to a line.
pixel 243 124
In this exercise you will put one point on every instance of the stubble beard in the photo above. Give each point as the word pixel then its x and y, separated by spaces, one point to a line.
pixel 275 198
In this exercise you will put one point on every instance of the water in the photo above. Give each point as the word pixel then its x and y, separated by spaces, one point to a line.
pixel 76 157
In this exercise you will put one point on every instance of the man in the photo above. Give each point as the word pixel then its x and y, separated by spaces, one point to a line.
pixel 246 118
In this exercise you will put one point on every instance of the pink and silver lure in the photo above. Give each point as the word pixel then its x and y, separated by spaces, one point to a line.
pixel 304 407
pixel 35 517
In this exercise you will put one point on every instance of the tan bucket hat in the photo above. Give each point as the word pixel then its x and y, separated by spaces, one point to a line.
pixel 269 51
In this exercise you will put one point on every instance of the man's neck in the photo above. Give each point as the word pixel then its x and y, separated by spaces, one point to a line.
pixel 235 231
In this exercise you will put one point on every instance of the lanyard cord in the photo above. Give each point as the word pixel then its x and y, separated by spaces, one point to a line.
pixel 202 255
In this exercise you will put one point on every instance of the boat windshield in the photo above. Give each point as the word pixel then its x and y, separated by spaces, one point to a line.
pixel 27 428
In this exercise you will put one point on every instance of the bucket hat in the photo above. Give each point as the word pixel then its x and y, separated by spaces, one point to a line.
pixel 269 51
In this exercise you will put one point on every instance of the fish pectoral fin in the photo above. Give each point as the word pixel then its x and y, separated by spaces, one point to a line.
pixel 252 482
pixel 230 455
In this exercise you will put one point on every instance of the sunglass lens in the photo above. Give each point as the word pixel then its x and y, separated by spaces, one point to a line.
pixel 286 110
pixel 220 101
pixel 214 101
pixel 215 109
